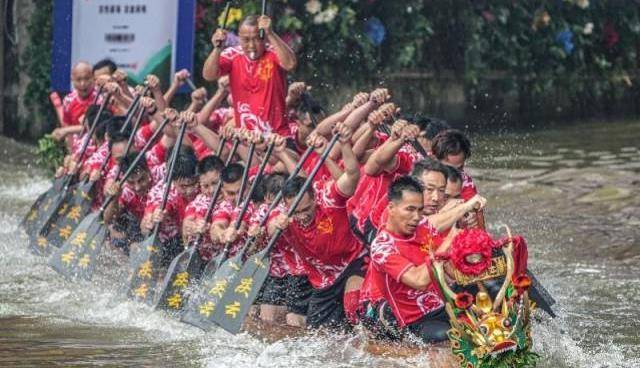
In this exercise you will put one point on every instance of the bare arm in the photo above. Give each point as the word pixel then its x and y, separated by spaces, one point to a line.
pixel 384 157
pixel 215 101
pixel 178 81
pixel 450 214
pixel 416 277
pixel 286 56
pixel 348 181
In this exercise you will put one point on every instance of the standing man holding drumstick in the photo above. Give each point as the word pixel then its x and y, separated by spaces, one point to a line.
pixel 257 71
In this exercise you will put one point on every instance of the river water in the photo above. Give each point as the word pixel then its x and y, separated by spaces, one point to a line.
pixel 572 191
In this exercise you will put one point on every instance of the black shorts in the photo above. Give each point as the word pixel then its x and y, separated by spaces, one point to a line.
pixel 379 319
pixel 273 291
pixel 298 294
pixel 326 306
pixel 292 291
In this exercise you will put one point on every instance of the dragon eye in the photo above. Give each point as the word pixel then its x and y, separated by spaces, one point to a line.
pixel 506 323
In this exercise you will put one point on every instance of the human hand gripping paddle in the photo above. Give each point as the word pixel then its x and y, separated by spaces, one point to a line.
pixel 48 214
pixel 77 256
pixel 79 203
pixel 186 266
pixel 144 264
pixel 221 270
pixel 241 294
pixel 29 222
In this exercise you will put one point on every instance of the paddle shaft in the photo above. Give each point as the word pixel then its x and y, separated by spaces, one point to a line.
pixel 134 105
pixel 133 164
pixel 234 149
pixel 224 22
pixel 221 146
pixel 303 190
pixel 227 7
pixel 214 199
pixel 167 189
pixel 136 125
pixel 245 173
pixel 264 10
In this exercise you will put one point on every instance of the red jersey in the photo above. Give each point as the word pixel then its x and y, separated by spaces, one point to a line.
pixel 284 258
pixel 76 148
pixel 259 89
pixel 468 187
pixel 391 256
pixel 142 136
pixel 218 117
pixel 175 207
pixel 327 245
pixel 228 212
pixel 74 107
pixel 156 155
pixel 197 210
pixel 372 189
pixel 324 174
pixel 134 203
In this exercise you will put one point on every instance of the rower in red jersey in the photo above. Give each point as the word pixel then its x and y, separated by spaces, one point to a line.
pixel 319 231
pixel 257 74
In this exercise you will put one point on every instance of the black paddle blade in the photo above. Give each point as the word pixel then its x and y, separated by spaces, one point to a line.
pixel 44 199
pixel 49 212
pixel 226 274
pixel 540 295
pixel 144 270
pixel 70 215
pixel 29 219
pixel 183 271
pixel 200 308
pixel 242 292
pixel 77 256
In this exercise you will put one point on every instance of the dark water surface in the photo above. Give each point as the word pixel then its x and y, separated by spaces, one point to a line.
pixel 571 191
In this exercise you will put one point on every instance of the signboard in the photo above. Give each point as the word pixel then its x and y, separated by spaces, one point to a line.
pixel 141 36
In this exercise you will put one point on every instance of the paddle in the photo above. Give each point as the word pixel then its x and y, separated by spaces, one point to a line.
pixel 44 200
pixel 227 268
pixel 264 10
pixel 37 239
pixel 79 204
pixel 144 265
pixel 77 256
pixel 187 265
pixel 241 293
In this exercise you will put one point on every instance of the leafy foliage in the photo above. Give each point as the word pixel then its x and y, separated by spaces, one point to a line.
pixel 50 153
pixel 528 49
pixel 36 63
